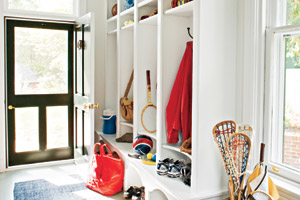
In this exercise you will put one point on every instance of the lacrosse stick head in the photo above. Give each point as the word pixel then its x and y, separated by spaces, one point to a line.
pixel 245 128
pixel 238 147
pixel 221 133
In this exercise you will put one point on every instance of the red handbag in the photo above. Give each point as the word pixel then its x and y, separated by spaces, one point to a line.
pixel 106 171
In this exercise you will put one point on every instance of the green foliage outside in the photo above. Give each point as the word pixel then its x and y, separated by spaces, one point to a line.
pixel 54 6
pixel 45 52
pixel 293 43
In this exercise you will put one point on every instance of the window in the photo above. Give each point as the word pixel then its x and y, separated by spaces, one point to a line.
pixel 282 103
pixel 65 7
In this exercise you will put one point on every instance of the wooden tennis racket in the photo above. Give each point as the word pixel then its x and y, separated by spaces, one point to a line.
pixel 221 132
pixel 149 111
pixel 239 147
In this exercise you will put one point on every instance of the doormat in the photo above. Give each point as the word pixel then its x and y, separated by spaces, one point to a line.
pixel 43 190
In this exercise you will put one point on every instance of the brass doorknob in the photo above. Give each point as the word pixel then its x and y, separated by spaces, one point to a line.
pixel 10 107
pixel 96 106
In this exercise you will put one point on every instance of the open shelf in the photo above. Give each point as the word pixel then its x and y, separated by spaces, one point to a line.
pixel 112 19
pixel 176 147
pixel 129 11
pixel 128 27
pixel 129 124
pixel 152 135
pixel 150 20
pixel 112 32
pixel 185 10
pixel 150 3
pixel 178 190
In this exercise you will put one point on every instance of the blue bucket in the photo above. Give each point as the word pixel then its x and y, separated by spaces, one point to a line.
pixel 109 122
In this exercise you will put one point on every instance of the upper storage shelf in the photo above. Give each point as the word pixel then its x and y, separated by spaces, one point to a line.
pixel 185 10
pixel 129 11
pixel 150 3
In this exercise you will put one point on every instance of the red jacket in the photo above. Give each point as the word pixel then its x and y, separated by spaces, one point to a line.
pixel 179 108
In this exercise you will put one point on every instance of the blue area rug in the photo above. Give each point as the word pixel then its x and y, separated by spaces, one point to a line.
pixel 43 190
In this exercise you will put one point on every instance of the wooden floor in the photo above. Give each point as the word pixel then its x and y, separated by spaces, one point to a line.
pixel 55 174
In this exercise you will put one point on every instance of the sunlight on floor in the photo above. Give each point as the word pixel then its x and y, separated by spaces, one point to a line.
pixel 58 175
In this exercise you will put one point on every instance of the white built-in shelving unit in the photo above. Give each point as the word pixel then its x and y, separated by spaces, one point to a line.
pixel 158 43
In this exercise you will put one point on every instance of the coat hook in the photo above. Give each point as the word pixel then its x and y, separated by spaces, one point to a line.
pixel 188 28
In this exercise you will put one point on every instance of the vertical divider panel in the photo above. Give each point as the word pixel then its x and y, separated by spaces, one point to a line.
pixel 136 70
pixel 159 119
pixel 196 164
pixel 118 71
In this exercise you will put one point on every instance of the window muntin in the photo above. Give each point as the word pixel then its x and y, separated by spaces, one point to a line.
pixel 66 7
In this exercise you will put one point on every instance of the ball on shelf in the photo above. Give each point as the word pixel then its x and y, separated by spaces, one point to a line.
pixel 142 144
pixel 149 156
pixel 154 157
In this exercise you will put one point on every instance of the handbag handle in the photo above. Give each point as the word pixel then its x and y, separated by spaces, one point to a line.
pixel 129 85
pixel 102 151
pixel 97 144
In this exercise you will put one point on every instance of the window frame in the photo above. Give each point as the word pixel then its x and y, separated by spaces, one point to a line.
pixel 273 105
pixel 77 11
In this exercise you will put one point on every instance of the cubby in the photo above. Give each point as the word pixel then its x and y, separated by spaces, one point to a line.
pixel 157 43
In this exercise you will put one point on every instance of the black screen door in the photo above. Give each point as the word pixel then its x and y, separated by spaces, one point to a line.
pixel 39 86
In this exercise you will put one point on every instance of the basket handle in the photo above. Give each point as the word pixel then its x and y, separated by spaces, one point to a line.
pixel 129 84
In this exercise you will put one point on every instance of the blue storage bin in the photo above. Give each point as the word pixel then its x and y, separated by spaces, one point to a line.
pixel 109 122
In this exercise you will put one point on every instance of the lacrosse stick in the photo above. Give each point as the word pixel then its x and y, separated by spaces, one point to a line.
pixel 238 147
pixel 245 128
pixel 149 110
pixel 221 133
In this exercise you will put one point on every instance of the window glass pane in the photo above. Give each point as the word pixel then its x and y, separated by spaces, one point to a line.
pixel 291 131
pixel 41 61
pixel 27 129
pixel 293 12
pixel 53 6
pixel 57 127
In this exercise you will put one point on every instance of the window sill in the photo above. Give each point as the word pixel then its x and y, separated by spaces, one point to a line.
pixel 287 189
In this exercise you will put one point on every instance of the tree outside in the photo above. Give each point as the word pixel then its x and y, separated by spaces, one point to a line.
pixel 291 137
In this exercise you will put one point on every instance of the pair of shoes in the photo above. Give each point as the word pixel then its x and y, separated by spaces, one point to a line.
pixel 135 193
pixel 186 173
pixel 170 167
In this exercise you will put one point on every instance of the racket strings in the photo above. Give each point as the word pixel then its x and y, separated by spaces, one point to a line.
pixel 238 147
pixel 222 132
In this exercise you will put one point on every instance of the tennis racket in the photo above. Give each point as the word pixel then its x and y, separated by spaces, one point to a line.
pixel 221 132
pixel 148 115
pixel 238 147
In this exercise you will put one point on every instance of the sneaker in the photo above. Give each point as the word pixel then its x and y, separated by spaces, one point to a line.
pixel 186 172
pixel 139 193
pixel 129 193
pixel 163 166
pixel 175 168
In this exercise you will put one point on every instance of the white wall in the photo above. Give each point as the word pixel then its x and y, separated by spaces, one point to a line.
pixel 2 94
pixel 98 8
pixel 216 90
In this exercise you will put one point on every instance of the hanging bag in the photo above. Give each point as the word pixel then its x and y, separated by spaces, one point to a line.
pixel 106 171
pixel 127 105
